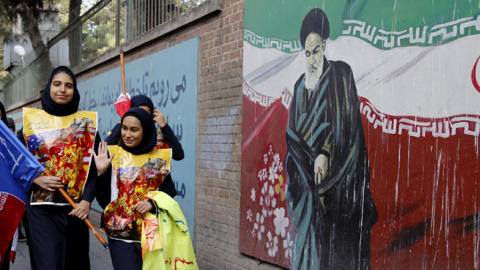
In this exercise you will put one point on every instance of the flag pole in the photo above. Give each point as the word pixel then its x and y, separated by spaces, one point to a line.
pixel 89 224
pixel 122 67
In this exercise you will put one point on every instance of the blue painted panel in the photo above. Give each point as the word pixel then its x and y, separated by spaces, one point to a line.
pixel 169 78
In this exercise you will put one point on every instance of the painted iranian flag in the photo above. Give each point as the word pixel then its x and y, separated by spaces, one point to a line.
pixel 415 70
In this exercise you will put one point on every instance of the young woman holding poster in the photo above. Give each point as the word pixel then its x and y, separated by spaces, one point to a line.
pixel 3 114
pixel 165 138
pixel 62 139
pixel 130 198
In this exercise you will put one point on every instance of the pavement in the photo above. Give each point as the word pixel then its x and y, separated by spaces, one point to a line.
pixel 99 256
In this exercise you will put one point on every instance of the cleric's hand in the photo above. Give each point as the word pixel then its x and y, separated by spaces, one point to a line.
pixel 321 168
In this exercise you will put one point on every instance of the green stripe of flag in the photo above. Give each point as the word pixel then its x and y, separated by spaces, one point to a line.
pixel 384 24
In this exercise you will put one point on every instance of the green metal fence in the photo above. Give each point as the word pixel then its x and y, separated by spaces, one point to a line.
pixel 106 25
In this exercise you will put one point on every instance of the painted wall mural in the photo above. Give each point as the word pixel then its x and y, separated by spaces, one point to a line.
pixel 169 78
pixel 360 138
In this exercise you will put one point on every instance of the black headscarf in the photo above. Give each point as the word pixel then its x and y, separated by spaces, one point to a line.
pixel 142 100
pixel 4 114
pixel 149 139
pixel 56 109
pixel 11 123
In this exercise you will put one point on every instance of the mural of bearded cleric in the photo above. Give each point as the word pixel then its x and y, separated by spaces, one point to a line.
pixel 328 170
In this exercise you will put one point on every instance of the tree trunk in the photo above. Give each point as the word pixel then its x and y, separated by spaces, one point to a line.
pixel 75 37
pixel 30 24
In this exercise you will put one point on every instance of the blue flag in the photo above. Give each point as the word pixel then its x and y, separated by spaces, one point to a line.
pixel 18 169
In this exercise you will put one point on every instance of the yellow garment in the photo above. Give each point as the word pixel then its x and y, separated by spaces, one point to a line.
pixel 135 176
pixel 172 247
pixel 64 146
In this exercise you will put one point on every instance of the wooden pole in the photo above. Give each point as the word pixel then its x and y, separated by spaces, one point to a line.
pixel 89 224
pixel 122 67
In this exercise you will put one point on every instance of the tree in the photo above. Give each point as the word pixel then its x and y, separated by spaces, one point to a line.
pixel 5 29
pixel 75 37
pixel 98 32
pixel 29 12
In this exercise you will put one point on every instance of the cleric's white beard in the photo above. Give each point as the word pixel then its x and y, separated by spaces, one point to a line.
pixel 311 79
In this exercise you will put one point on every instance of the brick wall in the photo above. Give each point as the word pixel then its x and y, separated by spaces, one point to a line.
pixel 219 139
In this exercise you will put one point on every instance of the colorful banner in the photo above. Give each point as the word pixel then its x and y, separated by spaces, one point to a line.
pixel 19 168
pixel 134 176
pixel 413 67
pixel 64 146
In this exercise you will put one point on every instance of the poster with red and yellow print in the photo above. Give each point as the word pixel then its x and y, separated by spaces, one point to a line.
pixel 64 146
pixel 135 176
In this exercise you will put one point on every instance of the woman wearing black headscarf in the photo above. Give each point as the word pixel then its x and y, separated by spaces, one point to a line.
pixel 140 101
pixel 138 137
pixel 146 103
pixel 59 237
pixel 3 114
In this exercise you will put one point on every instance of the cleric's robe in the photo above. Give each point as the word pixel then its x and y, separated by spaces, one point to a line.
pixel 332 220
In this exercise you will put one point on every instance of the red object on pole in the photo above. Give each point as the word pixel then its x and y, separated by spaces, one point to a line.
pixel 123 104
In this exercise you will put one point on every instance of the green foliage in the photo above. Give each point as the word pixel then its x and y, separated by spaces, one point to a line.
pixel 98 32
pixel 5 29
pixel 63 6
pixel 5 26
